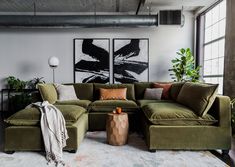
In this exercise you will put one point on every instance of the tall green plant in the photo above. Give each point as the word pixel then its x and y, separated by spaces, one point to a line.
pixel 184 68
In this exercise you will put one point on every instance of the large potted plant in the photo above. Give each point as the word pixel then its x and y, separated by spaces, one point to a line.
pixel 18 98
pixel 184 68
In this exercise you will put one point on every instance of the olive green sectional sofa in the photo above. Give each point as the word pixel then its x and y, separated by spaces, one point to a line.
pixel 166 124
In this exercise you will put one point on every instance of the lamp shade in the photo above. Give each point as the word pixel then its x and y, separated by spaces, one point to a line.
pixel 53 62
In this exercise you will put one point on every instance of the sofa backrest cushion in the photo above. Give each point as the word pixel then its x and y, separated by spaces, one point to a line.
pixel 84 91
pixel 175 89
pixel 113 94
pixel 48 92
pixel 166 89
pixel 130 94
pixel 140 89
pixel 197 96
pixel 65 92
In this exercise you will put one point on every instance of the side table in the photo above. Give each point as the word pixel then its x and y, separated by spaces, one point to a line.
pixel 117 127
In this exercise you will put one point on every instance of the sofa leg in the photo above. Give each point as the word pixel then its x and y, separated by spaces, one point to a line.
pixel 72 151
pixel 225 152
pixel 9 152
pixel 152 150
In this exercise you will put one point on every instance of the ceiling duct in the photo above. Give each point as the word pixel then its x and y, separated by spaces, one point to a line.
pixel 78 20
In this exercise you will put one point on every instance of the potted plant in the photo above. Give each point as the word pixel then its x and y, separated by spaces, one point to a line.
pixel 18 98
pixel 184 68
pixel 15 83
pixel 32 84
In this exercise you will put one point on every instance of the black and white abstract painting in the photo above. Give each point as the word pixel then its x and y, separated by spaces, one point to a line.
pixel 91 60
pixel 130 60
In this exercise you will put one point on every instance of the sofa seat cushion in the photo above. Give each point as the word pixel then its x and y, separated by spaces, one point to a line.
pixel 110 105
pixel 82 103
pixel 174 114
pixel 31 116
pixel 142 103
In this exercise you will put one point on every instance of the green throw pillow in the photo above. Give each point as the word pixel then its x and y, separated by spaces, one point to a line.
pixel 198 96
pixel 48 92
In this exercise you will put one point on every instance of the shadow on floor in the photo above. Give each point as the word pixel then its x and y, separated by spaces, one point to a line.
pixel 225 158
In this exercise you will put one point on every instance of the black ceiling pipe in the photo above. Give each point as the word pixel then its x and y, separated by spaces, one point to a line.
pixel 78 20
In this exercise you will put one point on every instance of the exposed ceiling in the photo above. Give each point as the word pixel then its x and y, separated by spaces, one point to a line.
pixel 98 6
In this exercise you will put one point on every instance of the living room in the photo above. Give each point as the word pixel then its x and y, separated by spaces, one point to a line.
pixel 126 83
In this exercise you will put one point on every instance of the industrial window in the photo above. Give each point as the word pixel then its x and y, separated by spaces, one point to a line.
pixel 214 43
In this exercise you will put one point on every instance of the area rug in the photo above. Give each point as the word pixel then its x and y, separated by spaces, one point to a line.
pixel 95 152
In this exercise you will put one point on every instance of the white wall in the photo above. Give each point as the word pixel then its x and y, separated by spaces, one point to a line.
pixel 24 52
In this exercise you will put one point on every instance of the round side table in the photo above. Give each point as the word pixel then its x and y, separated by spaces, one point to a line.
pixel 117 127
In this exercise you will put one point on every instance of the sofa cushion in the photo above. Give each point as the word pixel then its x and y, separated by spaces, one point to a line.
pixel 140 89
pixel 65 92
pixel 110 105
pixel 113 94
pixel 175 89
pixel 84 91
pixel 31 116
pixel 153 93
pixel 144 102
pixel 82 103
pixel 197 96
pixel 48 92
pixel 130 94
pixel 174 114
pixel 166 89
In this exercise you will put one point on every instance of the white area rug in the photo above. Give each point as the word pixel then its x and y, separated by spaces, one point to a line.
pixel 94 152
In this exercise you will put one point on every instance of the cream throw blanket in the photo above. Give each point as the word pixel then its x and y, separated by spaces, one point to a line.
pixel 54 131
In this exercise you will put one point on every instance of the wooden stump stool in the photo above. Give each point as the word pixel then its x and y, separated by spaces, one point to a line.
pixel 117 126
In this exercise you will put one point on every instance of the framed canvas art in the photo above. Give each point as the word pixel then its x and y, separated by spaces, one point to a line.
pixel 91 60
pixel 130 60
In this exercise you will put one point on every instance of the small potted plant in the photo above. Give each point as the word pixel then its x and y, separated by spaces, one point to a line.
pixel 32 84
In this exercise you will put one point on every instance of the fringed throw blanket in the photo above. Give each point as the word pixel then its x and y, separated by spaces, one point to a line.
pixel 54 131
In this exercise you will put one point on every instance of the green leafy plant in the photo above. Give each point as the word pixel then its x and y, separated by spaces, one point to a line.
pixel 15 83
pixel 32 84
pixel 184 68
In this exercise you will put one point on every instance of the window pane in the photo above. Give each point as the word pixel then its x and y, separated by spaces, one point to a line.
pixel 215 50
pixel 215 80
pixel 221 66
pixel 207 80
pixel 208 34
pixel 215 67
pixel 222 8
pixel 222 28
pixel 214 43
pixel 221 48
pixel 215 14
pixel 207 52
pixel 207 67
pixel 208 19
pixel 215 31
pixel 220 90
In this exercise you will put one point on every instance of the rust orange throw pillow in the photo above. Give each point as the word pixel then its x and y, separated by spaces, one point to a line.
pixel 113 94
pixel 166 89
